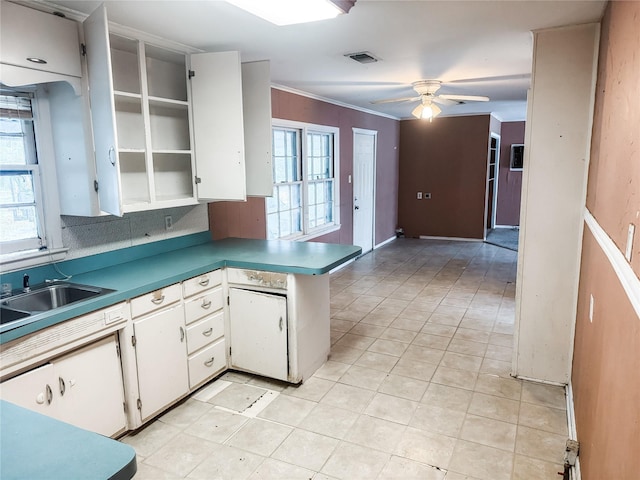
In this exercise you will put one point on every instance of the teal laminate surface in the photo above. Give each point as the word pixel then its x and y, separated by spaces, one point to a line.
pixel 149 273
pixel 38 447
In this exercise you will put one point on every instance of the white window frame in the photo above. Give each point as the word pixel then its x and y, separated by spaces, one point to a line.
pixel 304 128
pixel 46 191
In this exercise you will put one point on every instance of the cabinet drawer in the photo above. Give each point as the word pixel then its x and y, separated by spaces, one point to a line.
pixel 154 300
pixel 204 305
pixel 257 278
pixel 207 363
pixel 201 283
pixel 204 332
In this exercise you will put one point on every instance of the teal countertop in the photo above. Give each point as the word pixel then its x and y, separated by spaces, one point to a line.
pixel 143 275
pixel 37 447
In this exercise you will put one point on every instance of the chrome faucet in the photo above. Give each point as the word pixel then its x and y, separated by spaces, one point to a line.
pixel 25 284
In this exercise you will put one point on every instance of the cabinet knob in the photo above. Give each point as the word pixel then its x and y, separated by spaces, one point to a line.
pixel 63 387
pixel 181 334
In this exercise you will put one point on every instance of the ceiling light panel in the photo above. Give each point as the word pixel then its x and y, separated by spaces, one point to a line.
pixel 289 12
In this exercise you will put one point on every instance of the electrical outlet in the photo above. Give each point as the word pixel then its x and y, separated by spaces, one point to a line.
pixel 427 195
pixel 168 222
pixel 419 195
pixel 591 308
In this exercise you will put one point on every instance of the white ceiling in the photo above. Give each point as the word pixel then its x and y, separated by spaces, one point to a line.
pixel 474 47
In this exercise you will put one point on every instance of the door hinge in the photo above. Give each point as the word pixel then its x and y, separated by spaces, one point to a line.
pixel 229 351
pixel 83 49
pixel 139 403
pixel 133 340
pixel 198 179
pixel 124 407
pixel 95 185
pixel 118 350
pixel 228 300
pixel 192 73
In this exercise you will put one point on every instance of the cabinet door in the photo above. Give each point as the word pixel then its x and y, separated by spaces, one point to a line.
pixel 161 357
pixel 258 331
pixel 33 390
pixel 50 42
pixel 103 111
pixel 89 387
pixel 218 126
pixel 256 104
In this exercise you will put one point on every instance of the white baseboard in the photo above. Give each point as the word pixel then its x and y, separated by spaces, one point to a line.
pixel 454 239
pixel 573 433
pixel 506 226
pixel 382 244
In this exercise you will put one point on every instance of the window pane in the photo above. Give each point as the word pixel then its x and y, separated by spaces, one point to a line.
pixel 296 220
pixel 285 223
pixel 279 139
pixel 272 203
pixel 295 196
pixel 18 223
pixel 273 226
pixel 16 188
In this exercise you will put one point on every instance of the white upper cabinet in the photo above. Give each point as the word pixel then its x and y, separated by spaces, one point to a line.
pixel 216 85
pixel 37 47
pixel 256 102
pixel 140 111
pixel 162 140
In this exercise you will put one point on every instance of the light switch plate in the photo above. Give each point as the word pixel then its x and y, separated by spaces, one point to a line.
pixel 419 195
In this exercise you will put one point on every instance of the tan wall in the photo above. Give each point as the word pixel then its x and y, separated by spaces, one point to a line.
pixel 248 219
pixel 606 372
pixel 614 173
pixel 448 158
pixel 606 362
pixel 509 181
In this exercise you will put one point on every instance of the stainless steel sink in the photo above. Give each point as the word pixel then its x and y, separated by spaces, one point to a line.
pixel 45 298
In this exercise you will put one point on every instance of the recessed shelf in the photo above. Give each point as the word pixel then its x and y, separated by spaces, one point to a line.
pixel 168 101
pixel 124 60
pixel 166 73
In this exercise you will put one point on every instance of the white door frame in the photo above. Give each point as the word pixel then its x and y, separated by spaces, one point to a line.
pixel 374 133
pixel 494 205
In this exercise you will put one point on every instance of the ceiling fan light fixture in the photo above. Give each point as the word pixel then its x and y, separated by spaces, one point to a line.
pixel 426 111
pixel 290 12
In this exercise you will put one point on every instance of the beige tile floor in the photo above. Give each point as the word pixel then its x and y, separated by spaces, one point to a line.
pixel 417 387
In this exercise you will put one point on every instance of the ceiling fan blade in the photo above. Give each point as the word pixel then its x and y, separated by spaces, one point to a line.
pixel 465 98
pixel 391 100
pixel 443 101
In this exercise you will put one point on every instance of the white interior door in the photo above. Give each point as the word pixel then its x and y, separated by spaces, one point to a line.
pixel 364 160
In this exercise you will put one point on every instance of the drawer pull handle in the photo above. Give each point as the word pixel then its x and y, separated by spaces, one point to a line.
pixel 203 282
pixel 181 334
pixel 157 301
pixel 209 362
pixel 49 394
pixel 280 323
pixel 207 333
pixel 63 387
pixel 206 305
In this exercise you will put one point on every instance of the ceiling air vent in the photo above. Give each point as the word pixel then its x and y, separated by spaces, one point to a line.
pixel 362 57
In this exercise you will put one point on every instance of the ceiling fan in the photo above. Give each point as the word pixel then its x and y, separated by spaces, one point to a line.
pixel 426 90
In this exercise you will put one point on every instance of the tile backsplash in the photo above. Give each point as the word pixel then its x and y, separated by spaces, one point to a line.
pixel 90 235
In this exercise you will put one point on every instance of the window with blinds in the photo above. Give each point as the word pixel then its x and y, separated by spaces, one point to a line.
pixel 21 218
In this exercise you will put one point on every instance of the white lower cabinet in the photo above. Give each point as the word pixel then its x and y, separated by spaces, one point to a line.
pixel 83 388
pixel 161 359
pixel 258 333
